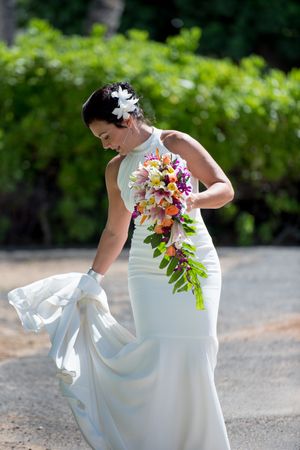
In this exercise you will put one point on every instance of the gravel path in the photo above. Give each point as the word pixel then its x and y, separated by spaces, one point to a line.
pixel 258 371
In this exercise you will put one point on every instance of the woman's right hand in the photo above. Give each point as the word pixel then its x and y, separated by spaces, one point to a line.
pixel 97 276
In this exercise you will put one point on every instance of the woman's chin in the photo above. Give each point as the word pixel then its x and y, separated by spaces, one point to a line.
pixel 122 151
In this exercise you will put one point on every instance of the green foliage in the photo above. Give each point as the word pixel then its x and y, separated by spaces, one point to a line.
pixel 52 168
pixel 231 28
pixel 245 228
pixel 62 14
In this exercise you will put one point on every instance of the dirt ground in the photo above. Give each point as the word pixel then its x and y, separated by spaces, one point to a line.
pixel 258 371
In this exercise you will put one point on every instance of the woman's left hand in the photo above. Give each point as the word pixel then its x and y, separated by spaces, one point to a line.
pixel 192 202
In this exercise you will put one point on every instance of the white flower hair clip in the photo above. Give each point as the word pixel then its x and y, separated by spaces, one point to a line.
pixel 125 102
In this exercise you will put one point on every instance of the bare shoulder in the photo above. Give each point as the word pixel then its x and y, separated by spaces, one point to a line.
pixel 114 164
pixel 199 161
pixel 177 141
pixel 112 168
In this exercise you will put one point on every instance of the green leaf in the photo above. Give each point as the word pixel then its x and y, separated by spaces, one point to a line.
pixel 173 263
pixel 199 298
pixel 189 230
pixel 157 252
pixel 156 240
pixel 197 264
pixel 186 287
pixel 197 270
pixel 179 283
pixel 188 252
pixel 175 276
pixel 149 238
pixel 187 246
pixel 188 219
pixel 164 262
pixel 162 246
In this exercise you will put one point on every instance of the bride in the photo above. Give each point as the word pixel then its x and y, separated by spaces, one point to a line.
pixel 155 390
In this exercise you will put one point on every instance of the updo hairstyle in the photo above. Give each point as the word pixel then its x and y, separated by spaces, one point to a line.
pixel 100 104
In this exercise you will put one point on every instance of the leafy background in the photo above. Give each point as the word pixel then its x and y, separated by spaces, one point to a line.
pixel 231 28
pixel 243 110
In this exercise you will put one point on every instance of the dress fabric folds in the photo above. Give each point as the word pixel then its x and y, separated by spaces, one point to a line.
pixel 151 391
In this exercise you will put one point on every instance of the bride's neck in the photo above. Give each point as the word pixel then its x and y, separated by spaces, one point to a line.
pixel 142 133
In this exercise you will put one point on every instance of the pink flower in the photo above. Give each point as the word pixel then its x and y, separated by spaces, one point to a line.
pixel 157 213
pixel 140 195
pixel 142 175
pixel 160 194
pixel 177 234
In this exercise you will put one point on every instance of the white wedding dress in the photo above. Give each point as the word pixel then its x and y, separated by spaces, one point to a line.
pixel 152 391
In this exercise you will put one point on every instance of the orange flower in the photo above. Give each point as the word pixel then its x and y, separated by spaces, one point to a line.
pixel 164 203
pixel 144 217
pixel 172 210
pixel 158 229
pixel 166 159
pixel 171 251
pixel 140 209
pixel 167 223
pixel 172 177
pixel 157 153
pixel 177 194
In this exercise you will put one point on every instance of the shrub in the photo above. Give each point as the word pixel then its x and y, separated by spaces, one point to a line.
pixel 52 169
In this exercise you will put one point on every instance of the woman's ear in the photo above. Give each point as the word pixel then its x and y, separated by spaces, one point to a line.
pixel 128 122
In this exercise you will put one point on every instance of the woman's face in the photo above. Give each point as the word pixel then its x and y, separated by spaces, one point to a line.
pixel 111 136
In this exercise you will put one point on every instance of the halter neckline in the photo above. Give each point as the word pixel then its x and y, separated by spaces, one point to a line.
pixel 147 143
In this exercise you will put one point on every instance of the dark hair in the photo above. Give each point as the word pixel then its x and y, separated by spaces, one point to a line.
pixel 100 104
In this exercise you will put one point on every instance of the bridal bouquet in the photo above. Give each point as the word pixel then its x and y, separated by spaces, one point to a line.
pixel 160 187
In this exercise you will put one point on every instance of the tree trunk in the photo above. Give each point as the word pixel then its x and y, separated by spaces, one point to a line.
pixel 107 12
pixel 7 21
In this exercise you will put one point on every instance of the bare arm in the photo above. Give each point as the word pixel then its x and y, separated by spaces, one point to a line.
pixel 202 166
pixel 115 232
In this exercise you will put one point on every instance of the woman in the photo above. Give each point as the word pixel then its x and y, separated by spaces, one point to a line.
pixel 154 391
